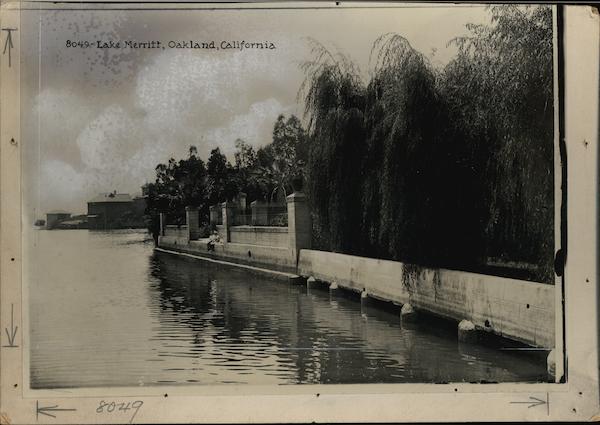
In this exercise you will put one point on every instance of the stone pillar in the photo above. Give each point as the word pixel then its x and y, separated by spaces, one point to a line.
pixel 242 206
pixel 254 212
pixel 296 280
pixel 214 214
pixel 193 223
pixel 227 209
pixel 408 313
pixel 310 283
pixel 162 224
pixel 333 291
pixel 467 332
pixel 299 224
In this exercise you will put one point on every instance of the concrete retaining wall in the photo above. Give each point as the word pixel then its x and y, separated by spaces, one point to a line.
pixel 176 231
pixel 380 278
pixel 172 241
pixel 516 309
pixel 268 256
pixel 260 235
pixel 276 258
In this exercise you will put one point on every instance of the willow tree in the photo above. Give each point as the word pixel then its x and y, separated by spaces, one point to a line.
pixel 400 165
pixel 499 90
pixel 443 167
pixel 334 99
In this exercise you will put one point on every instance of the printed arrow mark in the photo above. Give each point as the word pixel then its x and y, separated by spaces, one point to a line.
pixel 13 329
pixel 534 401
pixel 8 44
pixel 46 410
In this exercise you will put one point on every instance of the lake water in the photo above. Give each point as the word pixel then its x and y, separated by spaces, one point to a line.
pixel 106 310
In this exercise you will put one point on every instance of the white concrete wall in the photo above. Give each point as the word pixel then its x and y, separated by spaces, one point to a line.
pixel 172 240
pixel 380 278
pixel 260 235
pixel 176 231
pixel 520 310
pixel 517 309
pixel 276 258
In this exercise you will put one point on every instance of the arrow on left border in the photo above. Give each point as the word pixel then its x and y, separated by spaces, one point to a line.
pixel 13 329
pixel 49 410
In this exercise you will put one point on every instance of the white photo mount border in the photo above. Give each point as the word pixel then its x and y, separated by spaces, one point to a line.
pixel 576 399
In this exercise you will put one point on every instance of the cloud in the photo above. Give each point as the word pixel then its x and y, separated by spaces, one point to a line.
pixel 118 150
pixel 61 184
pixel 255 126
pixel 107 117
pixel 60 51
pixel 206 89
pixel 178 101
pixel 61 114
pixel 93 140
pixel 109 140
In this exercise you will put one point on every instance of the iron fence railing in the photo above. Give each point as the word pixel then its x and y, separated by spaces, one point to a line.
pixel 261 219
pixel 257 215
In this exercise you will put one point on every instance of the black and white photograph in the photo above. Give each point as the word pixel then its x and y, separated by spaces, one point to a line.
pixel 290 194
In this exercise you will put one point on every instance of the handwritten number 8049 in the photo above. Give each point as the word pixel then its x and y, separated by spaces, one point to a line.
pixel 111 407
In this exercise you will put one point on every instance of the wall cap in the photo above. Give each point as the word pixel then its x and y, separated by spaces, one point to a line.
pixel 259 229
pixel 294 196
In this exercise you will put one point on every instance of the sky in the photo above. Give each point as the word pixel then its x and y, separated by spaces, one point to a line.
pixel 97 120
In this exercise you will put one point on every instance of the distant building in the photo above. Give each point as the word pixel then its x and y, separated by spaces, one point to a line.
pixel 53 218
pixel 115 211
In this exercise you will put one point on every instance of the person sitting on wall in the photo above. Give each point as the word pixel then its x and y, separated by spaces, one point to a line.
pixel 212 240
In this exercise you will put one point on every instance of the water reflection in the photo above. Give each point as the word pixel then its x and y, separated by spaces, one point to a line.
pixel 154 318
pixel 316 335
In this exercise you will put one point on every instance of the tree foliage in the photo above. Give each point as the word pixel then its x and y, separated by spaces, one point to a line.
pixel 507 69
pixel 334 99
pixel 449 167
pixel 177 185
pixel 418 160
pixel 258 173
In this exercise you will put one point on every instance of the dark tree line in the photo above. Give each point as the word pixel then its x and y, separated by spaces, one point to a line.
pixel 257 172
pixel 448 167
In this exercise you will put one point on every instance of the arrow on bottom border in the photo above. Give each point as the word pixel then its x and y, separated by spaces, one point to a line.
pixel 534 401
pixel 47 411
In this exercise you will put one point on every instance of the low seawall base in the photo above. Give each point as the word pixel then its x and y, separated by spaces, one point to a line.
pixel 520 310
pixel 468 332
pixel 284 276
pixel 273 258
